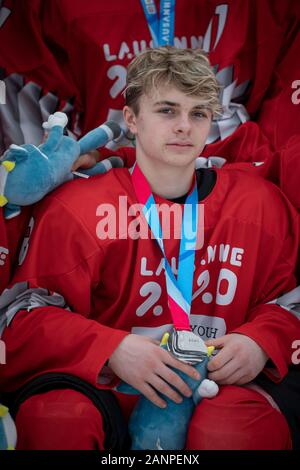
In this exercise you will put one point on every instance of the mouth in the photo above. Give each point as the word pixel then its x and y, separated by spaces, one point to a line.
pixel 180 144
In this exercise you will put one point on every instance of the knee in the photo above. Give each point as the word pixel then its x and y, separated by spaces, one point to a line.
pixel 59 419
pixel 237 419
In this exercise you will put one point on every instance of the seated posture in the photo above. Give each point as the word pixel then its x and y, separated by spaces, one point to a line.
pixel 113 262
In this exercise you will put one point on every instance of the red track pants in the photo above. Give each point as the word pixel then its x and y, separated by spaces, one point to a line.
pixel 237 418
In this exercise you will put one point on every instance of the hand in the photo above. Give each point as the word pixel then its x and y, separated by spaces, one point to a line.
pixel 144 365
pixel 239 361
pixel 87 160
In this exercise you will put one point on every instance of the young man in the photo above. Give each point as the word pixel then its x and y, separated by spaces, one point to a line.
pixel 90 252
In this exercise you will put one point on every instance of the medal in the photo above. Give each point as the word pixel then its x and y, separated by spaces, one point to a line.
pixel 186 346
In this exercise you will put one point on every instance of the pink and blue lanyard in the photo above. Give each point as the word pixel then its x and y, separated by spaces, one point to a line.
pixel 179 290
pixel 161 29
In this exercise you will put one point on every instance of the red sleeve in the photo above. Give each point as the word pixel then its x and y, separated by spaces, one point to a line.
pixel 290 169
pixel 273 327
pixel 249 145
pixel 11 234
pixel 4 254
pixel 62 258
pixel 279 114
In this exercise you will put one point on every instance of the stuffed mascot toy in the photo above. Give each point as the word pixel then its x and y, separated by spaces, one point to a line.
pixel 28 173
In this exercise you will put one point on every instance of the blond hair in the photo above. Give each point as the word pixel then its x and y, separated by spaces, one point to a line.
pixel 188 70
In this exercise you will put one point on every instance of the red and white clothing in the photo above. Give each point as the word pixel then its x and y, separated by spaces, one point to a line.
pixel 116 285
pixel 76 53
pixel 247 149
pixel 72 56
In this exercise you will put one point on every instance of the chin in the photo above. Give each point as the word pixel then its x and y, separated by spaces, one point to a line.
pixel 181 163
pixel 180 158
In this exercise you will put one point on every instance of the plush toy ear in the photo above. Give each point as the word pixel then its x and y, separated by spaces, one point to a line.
pixel 15 153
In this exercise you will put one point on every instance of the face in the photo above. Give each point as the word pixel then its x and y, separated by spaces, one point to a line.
pixel 171 128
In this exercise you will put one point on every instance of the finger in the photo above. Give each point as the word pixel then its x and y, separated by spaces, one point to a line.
pixel 161 386
pixel 245 379
pixel 151 394
pixel 169 376
pixel 182 366
pixel 217 342
pixel 232 379
pixel 80 162
pixel 224 372
pixel 219 360
pixel 84 161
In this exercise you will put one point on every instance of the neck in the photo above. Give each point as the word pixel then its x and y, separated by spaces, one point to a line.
pixel 166 181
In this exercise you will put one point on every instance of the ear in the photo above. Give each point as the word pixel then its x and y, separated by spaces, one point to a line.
pixel 16 153
pixel 130 119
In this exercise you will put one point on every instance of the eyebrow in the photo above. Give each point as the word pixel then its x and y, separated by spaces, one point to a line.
pixel 168 103
pixel 176 105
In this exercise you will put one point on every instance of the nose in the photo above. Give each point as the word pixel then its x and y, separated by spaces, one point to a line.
pixel 182 124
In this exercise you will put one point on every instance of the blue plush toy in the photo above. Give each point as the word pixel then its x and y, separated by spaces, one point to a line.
pixel 154 428
pixel 28 173
pixel 8 433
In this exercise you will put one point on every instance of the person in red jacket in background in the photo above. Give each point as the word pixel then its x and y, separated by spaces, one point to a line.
pixel 95 289
pixel 72 56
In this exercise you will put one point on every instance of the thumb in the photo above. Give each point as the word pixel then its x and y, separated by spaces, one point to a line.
pixel 217 342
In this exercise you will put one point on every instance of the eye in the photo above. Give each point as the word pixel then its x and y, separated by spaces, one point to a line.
pixel 200 114
pixel 166 110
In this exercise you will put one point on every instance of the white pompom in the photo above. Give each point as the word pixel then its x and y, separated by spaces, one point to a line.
pixel 208 389
pixel 56 119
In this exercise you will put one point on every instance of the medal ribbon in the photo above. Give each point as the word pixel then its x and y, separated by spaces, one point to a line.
pixel 162 30
pixel 179 290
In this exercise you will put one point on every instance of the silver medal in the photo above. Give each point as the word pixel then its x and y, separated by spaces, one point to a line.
pixel 186 346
